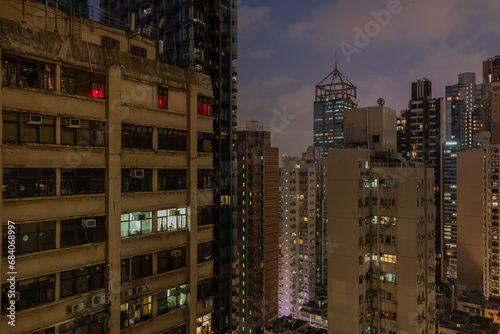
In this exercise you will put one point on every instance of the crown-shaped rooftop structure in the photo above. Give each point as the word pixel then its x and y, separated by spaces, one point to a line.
pixel 335 86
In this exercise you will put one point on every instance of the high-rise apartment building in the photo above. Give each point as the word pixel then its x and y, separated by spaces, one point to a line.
pixel 297 261
pixel 478 220
pixel 334 95
pixel 258 223
pixel 450 207
pixel 491 97
pixel 381 220
pixel 421 141
pixel 202 35
pixel 106 195
pixel 462 111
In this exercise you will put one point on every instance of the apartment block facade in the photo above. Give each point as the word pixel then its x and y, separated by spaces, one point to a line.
pixel 106 160
pixel 381 236
pixel 201 35
pixel 297 264
pixel 258 220
pixel 478 220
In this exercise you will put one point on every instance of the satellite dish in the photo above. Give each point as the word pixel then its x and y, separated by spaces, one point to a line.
pixel 380 101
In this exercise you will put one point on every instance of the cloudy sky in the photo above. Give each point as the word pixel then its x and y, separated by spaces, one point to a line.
pixel 286 47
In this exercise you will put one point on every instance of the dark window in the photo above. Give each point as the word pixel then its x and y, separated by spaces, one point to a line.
pixel 205 142
pixel 82 280
pixel 136 180
pixel 83 325
pixel 24 72
pixel 171 179
pixel 32 292
pixel 205 289
pixel 204 106
pixel 28 128
pixel 74 233
pixel 82 181
pixel 171 299
pixel 50 330
pixel 138 51
pixel 376 139
pixel 137 136
pixel 82 83
pixel 204 215
pixel 87 133
pixel 172 140
pixel 110 42
pixel 204 178
pixel 176 330
pixel 171 259
pixel 204 252
pixel 28 182
pixel 162 98
pixel 136 267
pixel 30 238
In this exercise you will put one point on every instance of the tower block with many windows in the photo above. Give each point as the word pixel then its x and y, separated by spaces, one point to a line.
pixel 105 172
pixel 380 233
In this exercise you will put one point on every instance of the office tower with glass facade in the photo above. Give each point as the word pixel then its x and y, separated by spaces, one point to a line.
pixel 334 95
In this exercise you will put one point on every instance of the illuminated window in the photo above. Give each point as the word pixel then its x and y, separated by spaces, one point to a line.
pixel 162 98
pixel 204 106
pixel 135 311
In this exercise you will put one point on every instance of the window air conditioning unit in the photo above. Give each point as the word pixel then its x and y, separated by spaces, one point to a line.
pixel 76 308
pixel 175 253
pixel 141 289
pixel 72 122
pixel 140 216
pixel 89 222
pixel 137 173
pixel 127 293
pixel 174 212
pixel 101 317
pixel 136 306
pixel 33 119
pixel 208 303
pixel 97 299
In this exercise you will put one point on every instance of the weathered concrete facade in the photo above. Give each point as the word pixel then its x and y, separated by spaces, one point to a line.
pixel 122 106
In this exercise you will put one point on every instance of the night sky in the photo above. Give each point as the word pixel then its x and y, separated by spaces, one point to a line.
pixel 287 47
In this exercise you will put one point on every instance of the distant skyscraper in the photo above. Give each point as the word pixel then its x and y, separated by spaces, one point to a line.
pixel 491 97
pixel 381 234
pixel 450 207
pixel 258 221
pixel 460 101
pixel 201 35
pixel 334 95
pixel 421 141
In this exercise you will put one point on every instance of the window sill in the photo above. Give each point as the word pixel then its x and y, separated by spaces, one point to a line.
pixel 54 146
pixel 46 198
pixel 47 91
